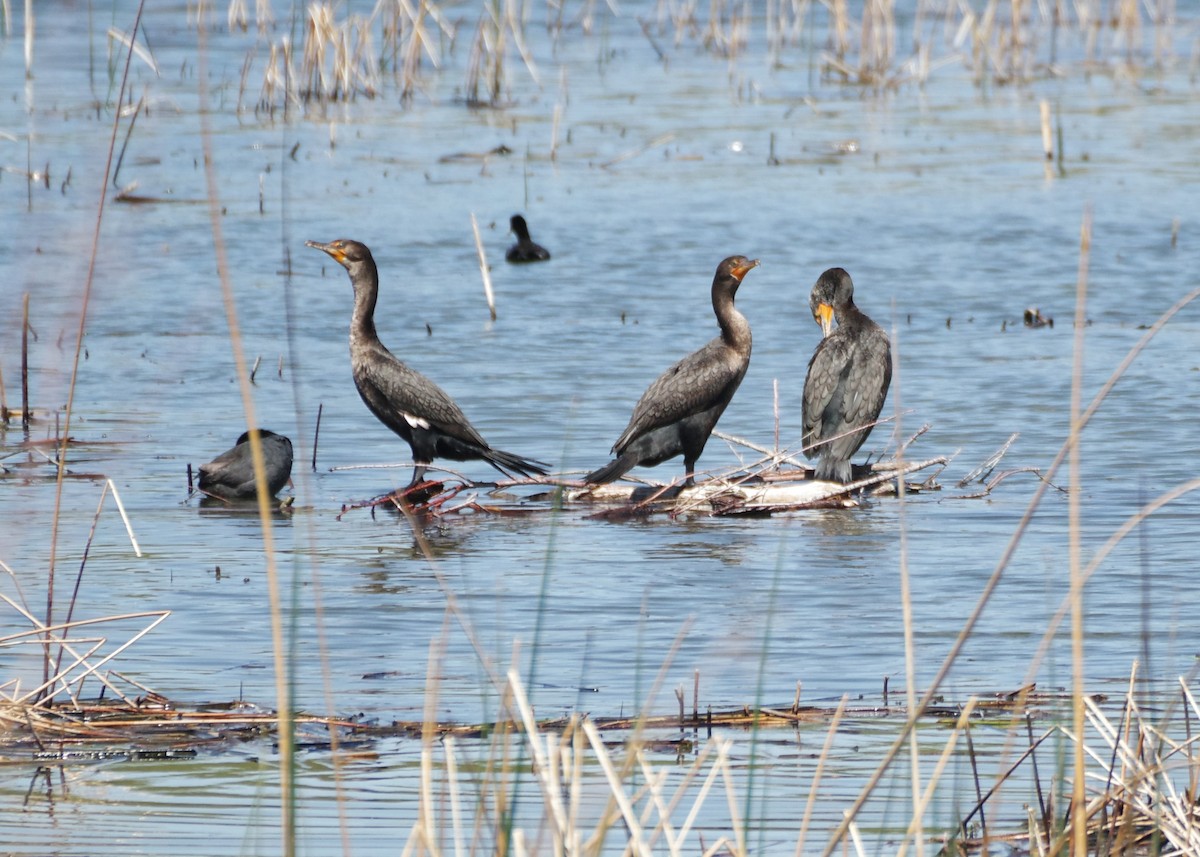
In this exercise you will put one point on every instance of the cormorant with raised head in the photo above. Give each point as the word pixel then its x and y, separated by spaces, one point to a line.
pixel 403 399
pixel 679 411
pixel 526 249
pixel 848 377
pixel 230 475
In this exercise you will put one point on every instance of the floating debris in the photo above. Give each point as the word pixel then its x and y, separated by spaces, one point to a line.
pixel 1034 318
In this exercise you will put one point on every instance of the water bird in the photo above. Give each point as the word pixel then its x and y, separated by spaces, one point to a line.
pixel 678 412
pixel 848 377
pixel 403 399
pixel 526 249
pixel 230 475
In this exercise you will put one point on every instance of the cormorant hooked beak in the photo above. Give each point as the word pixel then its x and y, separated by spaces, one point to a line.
pixel 824 317
pixel 338 254
pixel 741 271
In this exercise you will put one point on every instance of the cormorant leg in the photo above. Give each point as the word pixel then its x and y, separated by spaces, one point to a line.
pixel 418 474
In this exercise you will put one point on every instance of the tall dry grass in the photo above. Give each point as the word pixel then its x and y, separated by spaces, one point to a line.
pixel 403 48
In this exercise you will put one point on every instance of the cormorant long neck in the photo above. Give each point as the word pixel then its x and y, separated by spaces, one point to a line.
pixel 735 330
pixel 365 277
pixel 847 313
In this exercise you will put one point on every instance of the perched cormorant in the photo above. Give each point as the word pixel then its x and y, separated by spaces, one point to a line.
pixel 403 399
pixel 231 474
pixel 848 377
pixel 679 411
pixel 525 250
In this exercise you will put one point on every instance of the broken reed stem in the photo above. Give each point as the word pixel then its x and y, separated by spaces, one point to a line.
pixel 125 517
pixel 317 434
pixel 1047 132
pixel 128 134
pixel 25 361
pixel 87 548
pixel 4 414
pixel 483 268
pixel 775 401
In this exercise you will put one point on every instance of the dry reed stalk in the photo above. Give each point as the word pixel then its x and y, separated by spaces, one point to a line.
pixel 326 63
pixel 30 26
pixel 855 836
pixel 129 40
pixel 921 804
pixel 813 787
pixel 540 751
pixel 916 829
pixel 25 362
pixel 236 17
pixel 666 811
pixel 840 34
pixel 878 40
pixel 264 17
pixel 418 41
pixel 517 29
pixel 484 271
pixel 1047 134
pixel 425 798
pixel 82 563
pixel 1074 549
pixel 319 34
pixel 1128 27
pixel 1137 785
pixel 282 683
pixel 50 633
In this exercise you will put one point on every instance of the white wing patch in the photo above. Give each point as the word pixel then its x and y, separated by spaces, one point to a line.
pixel 415 422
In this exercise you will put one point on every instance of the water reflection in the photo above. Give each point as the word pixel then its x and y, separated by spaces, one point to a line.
pixel 243 510
pixel 848 538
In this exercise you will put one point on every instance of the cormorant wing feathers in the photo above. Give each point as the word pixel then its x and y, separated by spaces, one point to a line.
pixel 396 392
pixel 691 386
pixel 834 399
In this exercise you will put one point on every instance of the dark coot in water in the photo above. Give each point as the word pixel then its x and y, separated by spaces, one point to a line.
pixel 403 399
pixel 230 475
pixel 678 412
pixel 848 378
pixel 526 249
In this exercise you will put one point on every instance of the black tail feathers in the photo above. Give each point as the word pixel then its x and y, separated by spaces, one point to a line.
pixel 508 463
pixel 612 471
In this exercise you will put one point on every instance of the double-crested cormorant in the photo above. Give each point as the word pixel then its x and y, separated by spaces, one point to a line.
pixel 525 250
pixel 403 399
pixel 231 474
pixel 679 411
pixel 848 377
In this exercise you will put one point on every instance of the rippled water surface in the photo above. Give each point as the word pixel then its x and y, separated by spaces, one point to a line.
pixel 935 197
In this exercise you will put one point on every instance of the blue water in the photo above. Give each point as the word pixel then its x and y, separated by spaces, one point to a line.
pixel 942 211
